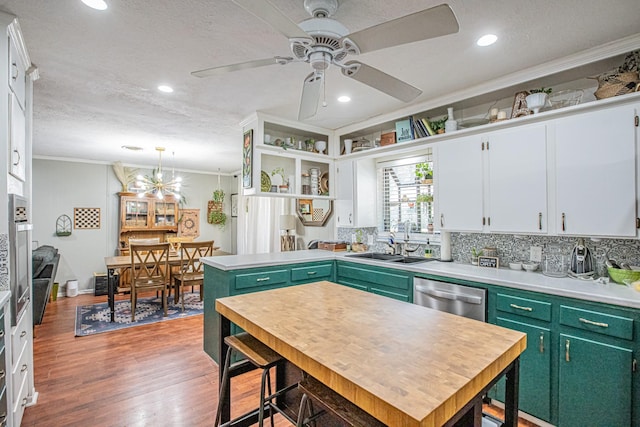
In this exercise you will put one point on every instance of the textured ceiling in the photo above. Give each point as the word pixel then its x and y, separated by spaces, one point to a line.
pixel 99 70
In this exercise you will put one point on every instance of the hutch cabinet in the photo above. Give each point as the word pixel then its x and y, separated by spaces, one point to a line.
pixel 146 217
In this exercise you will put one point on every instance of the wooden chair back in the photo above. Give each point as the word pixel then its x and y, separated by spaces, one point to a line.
pixel 150 265
pixel 190 254
pixel 176 242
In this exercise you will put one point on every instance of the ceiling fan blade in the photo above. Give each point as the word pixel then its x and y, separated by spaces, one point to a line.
pixel 241 66
pixel 429 23
pixel 310 95
pixel 381 81
pixel 267 12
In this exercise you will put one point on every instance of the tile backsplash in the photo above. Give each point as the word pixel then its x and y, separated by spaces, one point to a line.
pixel 514 247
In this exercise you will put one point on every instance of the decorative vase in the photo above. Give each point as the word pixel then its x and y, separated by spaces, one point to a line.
pixel 536 101
pixel 451 124
pixel 348 145
pixel 321 146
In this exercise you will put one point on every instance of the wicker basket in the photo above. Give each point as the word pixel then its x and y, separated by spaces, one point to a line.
pixel 622 276
pixel 617 84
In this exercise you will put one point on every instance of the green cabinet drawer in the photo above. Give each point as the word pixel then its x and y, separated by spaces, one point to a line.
pixel 526 307
pixel 594 321
pixel 390 294
pixel 311 272
pixel 375 276
pixel 261 279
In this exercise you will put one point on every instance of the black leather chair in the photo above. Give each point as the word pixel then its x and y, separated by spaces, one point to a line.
pixel 45 261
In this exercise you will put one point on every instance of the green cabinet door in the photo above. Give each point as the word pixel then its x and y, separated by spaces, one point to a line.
pixel 535 370
pixel 594 383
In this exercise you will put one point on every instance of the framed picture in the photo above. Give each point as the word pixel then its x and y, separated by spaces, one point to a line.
pixel 234 205
pixel 247 159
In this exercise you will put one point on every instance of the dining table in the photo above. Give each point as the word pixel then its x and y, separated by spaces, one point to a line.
pixel 404 364
pixel 122 263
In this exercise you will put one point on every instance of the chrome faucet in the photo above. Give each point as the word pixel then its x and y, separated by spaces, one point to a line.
pixel 406 248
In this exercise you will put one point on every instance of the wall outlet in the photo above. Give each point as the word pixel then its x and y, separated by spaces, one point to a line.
pixel 370 240
pixel 535 254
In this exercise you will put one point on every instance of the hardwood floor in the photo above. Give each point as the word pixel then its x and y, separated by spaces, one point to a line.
pixel 150 375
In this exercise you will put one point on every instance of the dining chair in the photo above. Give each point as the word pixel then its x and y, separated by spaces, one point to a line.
pixel 191 271
pixel 176 242
pixel 149 271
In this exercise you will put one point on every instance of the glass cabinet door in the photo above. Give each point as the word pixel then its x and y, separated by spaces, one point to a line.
pixel 136 213
pixel 165 214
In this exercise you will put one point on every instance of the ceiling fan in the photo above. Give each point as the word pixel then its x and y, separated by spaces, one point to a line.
pixel 322 41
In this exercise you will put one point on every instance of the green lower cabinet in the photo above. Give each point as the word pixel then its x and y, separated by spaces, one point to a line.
pixel 594 383
pixel 535 370
pixel 387 282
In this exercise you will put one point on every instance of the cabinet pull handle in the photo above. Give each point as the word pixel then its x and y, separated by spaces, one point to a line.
pixel 566 351
pixel 488 218
pixel 563 226
pixel 17 162
pixel 591 322
pixel 441 220
pixel 541 342
pixel 350 215
pixel 24 401
pixel 539 220
pixel 14 77
pixel 519 307
pixel 1 334
pixel 2 374
pixel 24 368
pixel 311 273
pixel 22 334
pixel 263 279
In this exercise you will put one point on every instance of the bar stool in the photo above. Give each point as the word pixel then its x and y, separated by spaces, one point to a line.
pixel 314 391
pixel 262 357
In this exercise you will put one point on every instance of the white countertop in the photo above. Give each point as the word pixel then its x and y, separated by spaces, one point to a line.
pixel 611 293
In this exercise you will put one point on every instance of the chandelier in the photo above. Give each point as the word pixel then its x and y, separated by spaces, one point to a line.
pixel 155 185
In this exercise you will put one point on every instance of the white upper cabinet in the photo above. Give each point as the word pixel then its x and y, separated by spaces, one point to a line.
pixel 595 165
pixel 17 71
pixel 458 170
pixel 17 139
pixel 356 201
pixel 495 182
pixel 517 180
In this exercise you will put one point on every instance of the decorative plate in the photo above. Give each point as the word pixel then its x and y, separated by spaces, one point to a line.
pixel 265 182
pixel 324 183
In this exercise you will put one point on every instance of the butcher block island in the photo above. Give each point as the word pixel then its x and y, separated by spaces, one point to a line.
pixel 404 364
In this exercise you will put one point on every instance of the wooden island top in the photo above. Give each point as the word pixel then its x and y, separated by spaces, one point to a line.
pixel 405 364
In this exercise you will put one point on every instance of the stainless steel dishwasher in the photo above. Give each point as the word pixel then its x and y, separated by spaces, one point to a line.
pixel 457 299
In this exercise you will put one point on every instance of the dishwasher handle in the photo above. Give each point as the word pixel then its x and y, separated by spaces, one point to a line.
pixel 471 299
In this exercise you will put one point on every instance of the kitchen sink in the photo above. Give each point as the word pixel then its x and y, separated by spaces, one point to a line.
pixel 378 256
pixel 411 260
pixel 389 257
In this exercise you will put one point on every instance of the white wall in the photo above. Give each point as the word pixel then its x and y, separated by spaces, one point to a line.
pixel 60 186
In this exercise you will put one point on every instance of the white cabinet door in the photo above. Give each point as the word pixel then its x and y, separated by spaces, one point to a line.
pixel 356 190
pixel 17 139
pixel 596 174
pixel 458 179
pixel 17 73
pixel 517 180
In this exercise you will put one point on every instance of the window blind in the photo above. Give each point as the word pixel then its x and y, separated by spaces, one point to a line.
pixel 404 197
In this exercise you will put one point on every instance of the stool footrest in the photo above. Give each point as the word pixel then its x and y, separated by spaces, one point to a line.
pixel 337 405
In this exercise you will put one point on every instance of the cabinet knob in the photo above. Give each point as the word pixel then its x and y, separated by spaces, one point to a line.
pixel 22 334
pixel 24 368
pixel 1 334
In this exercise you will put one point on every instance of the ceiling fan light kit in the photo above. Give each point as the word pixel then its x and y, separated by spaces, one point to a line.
pixel 322 41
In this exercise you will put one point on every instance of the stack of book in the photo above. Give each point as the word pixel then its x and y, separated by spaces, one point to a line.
pixel 412 128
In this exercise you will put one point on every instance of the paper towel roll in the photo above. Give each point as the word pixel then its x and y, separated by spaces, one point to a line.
pixel 445 246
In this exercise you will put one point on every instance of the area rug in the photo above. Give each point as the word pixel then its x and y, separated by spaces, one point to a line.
pixel 94 319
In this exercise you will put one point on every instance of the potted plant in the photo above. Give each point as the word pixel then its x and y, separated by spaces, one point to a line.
pixel 283 187
pixel 424 173
pixel 537 99
pixel 358 246
pixel 216 215
pixel 438 125
pixel 424 198
pixel 474 255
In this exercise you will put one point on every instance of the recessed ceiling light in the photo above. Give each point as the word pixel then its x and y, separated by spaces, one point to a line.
pixel 487 39
pixel 96 4
pixel 165 88
pixel 344 98
pixel 131 147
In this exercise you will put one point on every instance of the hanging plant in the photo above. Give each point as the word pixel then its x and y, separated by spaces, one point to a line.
pixel 218 218
pixel 218 196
